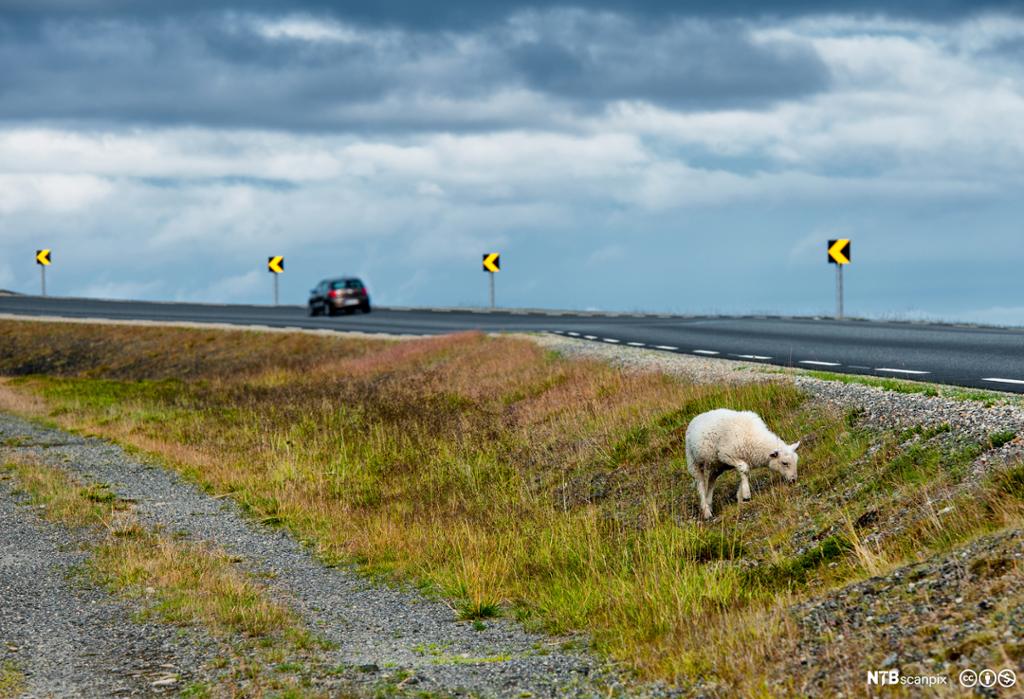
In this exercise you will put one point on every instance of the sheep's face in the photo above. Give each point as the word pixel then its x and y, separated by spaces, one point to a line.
pixel 783 461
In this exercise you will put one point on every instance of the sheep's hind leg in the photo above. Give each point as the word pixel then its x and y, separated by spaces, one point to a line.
pixel 710 488
pixel 702 491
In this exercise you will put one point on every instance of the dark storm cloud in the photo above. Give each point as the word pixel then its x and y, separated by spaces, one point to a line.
pixel 204 62
pixel 685 65
pixel 209 72
pixel 462 13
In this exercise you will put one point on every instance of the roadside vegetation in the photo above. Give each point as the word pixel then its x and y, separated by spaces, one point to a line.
pixel 12 680
pixel 178 582
pixel 512 481
pixel 988 398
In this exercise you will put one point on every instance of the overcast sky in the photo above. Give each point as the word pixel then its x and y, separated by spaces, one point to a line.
pixel 619 155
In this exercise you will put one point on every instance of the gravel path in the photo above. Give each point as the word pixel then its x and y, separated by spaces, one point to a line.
pixel 378 629
pixel 68 637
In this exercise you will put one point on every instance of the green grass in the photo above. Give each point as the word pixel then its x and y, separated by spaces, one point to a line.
pixel 177 582
pixel 12 680
pixel 515 482
pixel 988 398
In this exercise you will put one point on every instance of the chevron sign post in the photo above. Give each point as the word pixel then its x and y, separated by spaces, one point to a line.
pixel 492 265
pixel 840 256
pixel 44 261
pixel 275 265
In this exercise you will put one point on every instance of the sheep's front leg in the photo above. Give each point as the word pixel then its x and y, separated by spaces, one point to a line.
pixel 743 491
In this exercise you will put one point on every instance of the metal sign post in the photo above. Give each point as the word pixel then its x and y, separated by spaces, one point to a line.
pixel 839 292
pixel 44 261
pixel 839 255
pixel 492 265
pixel 275 265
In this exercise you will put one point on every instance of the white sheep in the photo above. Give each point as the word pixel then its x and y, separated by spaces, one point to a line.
pixel 722 439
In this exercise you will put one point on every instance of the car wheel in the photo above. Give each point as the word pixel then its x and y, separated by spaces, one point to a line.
pixel 365 306
pixel 328 309
pixel 313 310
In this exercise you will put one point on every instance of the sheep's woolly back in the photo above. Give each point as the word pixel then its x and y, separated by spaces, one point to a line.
pixel 731 434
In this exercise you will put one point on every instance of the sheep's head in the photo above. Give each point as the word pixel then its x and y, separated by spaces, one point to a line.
pixel 783 461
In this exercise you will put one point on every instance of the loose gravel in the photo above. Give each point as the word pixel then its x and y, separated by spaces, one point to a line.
pixel 378 630
pixel 70 638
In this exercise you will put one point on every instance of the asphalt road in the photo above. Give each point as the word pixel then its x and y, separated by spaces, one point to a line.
pixel 954 354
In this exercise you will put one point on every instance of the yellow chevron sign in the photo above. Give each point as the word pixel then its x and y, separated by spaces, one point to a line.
pixel 492 262
pixel 839 251
pixel 275 264
pixel 43 257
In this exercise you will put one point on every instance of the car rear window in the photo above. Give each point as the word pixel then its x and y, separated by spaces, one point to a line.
pixel 347 284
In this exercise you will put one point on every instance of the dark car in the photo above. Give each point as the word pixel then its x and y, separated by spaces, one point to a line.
pixel 343 295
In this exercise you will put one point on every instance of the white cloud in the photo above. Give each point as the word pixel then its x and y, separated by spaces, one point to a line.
pixel 50 192
pixel 307 29
pixel 121 289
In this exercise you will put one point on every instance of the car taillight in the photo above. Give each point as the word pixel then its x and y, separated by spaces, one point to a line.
pixel 333 293
pixel 362 292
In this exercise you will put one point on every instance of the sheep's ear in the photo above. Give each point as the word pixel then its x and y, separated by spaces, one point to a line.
pixel 795 445
pixel 774 454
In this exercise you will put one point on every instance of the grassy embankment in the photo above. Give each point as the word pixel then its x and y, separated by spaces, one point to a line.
pixel 509 479
pixel 179 582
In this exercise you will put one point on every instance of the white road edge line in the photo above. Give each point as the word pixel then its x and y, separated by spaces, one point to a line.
pixel 573 334
pixel 817 363
pixel 666 347
pixel 611 340
pixel 1016 382
pixel 636 344
pixel 901 371
pixel 705 352
pixel 590 337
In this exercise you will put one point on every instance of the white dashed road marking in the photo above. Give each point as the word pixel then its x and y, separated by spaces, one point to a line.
pixel 816 363
pixel 611 340
pixel 902 371
pixel 1016 382
pixel 590 337
pixel 666 347
pixel 749 356
pixel 704 352
pixel 573 334
pixel 636 344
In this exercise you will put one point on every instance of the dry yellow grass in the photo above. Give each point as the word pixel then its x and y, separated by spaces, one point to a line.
pixel 179 582
pixel 499 475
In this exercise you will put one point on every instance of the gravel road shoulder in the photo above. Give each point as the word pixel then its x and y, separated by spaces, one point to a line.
pixel 69 638
pixel 379 630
